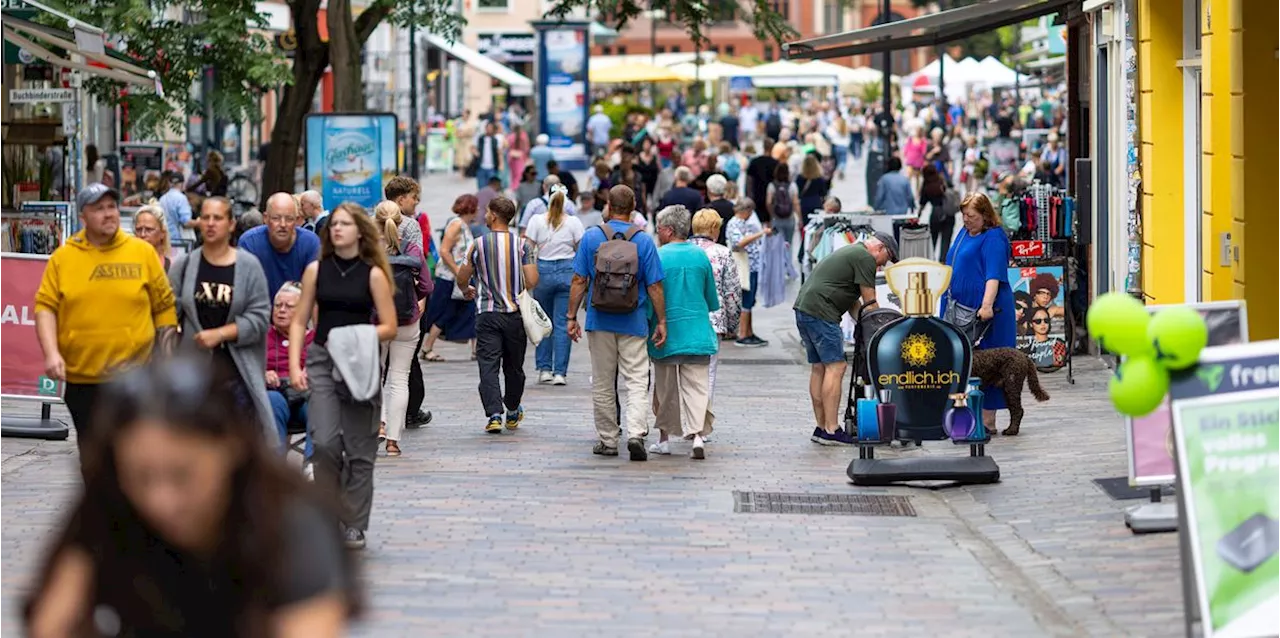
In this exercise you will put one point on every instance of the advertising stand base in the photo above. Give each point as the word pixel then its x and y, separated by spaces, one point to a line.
pixel 975 469
pixel 46 427
pixel 1152 518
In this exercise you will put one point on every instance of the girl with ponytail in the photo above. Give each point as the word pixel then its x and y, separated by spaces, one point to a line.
pixel 556 235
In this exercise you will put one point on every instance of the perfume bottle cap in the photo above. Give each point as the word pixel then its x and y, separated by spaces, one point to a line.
pixel 919 283
pixel 886 396
pixel 961 399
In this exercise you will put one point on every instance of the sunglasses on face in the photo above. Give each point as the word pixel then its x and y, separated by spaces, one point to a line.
pixel 1039 321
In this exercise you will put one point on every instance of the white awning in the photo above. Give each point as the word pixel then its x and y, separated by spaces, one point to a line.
pixel 519 84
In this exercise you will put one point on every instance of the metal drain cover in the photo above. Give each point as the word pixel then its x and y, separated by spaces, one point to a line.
pixel 838 504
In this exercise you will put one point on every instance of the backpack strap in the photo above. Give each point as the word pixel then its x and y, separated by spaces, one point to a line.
pixel 608 232
pixel 631 232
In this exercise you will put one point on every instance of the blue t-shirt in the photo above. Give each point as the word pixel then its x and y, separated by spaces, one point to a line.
pixel 634 323
pixel 281 267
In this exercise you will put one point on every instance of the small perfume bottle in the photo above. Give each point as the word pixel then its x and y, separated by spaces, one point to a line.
pixel 959 422
pixel 976 399
pixel 887 414
pixel 868 425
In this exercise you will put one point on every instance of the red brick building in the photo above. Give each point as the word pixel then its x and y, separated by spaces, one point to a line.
pixel 733 37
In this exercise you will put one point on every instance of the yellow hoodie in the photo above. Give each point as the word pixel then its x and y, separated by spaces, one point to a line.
pixel 109 301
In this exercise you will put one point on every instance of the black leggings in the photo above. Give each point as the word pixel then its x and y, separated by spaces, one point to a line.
pixel 79 399
pixel 417 391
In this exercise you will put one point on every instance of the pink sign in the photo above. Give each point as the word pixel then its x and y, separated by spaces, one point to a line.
pixel 22 366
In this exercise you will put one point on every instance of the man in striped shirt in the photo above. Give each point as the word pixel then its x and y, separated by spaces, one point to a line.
pixel 503 264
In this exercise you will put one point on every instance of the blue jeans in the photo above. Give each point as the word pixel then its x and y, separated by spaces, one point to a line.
pixel 552 293
pixel 282 413
pixel 483 175
pixel 822 339
pixel 842 156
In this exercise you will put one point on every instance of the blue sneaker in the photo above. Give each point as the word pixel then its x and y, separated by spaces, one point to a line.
pixel 839 437
pixel 816 437
pixel 514 418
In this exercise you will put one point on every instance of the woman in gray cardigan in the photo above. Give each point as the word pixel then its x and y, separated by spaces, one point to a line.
pixel 223 307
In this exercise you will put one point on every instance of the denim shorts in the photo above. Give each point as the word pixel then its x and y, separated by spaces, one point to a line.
pixel 823 342
pixel 749 295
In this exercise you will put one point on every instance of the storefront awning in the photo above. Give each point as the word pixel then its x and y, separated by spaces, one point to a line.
pixel 37 39
pixel 519 84
pixel 926 30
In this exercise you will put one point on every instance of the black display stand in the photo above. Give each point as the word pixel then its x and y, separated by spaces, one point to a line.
pixel 1058 251
pixel 975 469
pixel 46 427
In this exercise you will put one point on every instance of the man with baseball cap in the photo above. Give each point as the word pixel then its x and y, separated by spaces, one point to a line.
pixel 845 281
pixel 104 302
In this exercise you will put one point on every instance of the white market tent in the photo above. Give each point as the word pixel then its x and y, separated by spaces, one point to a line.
pixel 788 74
pixel 995 73
pixel 847 76
pixel 661 59
pixel 709 72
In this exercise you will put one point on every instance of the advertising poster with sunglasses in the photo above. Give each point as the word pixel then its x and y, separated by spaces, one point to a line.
pixel 1040 314
pixel 1226 426
pixel 1150 437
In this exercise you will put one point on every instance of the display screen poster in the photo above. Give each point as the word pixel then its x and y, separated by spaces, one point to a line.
pixel 22 367
pixel 564 84
pixel 350 158
pixel 1040 314
pixel 1151 437
pixel 1226 416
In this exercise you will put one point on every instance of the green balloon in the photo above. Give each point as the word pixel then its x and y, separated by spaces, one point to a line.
pixel 1177 335
pixel 1139 386
pixel 1119 324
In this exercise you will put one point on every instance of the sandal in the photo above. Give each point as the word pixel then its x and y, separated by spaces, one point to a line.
pixel 432 357
pixel 393 448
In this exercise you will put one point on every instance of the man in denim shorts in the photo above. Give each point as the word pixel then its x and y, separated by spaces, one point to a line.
pixel 842 282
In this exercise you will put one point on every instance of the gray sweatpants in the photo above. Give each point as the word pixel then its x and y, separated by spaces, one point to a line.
pixel 341 429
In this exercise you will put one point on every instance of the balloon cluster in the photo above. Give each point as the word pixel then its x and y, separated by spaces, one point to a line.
pixel 1151 345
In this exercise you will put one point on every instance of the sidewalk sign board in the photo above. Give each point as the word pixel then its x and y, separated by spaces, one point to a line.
pixel 1226 423
pixel 22 366
pixel 1149 437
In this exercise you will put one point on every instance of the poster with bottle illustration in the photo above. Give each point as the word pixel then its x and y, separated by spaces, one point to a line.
pixel 1150 437
pixel 564 85
pixel 1226 426
pixel 350 158
pixel 1040 314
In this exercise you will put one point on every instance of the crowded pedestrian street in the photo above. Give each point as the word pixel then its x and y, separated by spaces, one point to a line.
pixel 529 534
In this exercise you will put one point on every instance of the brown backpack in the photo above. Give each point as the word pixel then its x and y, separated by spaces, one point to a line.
pixel 616 287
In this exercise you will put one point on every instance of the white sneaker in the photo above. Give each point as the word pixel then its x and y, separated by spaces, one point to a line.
pixel 544 376
pixel 699 448
pixel 558 380
pixel 661 447
pixel 309 471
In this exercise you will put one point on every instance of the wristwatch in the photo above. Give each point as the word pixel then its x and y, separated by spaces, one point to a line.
pixel 571 318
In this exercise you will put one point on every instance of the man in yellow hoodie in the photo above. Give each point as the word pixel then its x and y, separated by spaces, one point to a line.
pixel 103 304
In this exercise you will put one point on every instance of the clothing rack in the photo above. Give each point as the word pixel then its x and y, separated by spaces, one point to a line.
pixel 820 229
pixel 38 228
pixel 1048 215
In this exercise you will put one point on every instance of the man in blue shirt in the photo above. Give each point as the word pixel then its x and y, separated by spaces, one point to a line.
pixel 618 340
pixel 541 153
pixel 893 191
pixel 177 209
pixel 283 248
pixel 598 127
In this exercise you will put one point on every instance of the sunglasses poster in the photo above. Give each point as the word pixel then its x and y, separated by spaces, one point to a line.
pixel 1040 314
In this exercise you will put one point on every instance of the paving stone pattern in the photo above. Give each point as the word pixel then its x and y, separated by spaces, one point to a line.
pixel 529 534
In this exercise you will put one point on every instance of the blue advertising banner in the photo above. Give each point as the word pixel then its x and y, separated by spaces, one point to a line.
pixel 562 61
pixel 350 157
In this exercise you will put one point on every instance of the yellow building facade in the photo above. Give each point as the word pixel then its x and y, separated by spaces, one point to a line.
pixel 1210 160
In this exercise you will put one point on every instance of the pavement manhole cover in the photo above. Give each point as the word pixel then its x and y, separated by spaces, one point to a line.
pixel 838 504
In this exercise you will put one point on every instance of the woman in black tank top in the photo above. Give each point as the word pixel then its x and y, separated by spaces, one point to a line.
pixel 350 284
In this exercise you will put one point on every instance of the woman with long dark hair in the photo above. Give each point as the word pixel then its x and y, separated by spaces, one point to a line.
pixel 189 525
pixel 942 222
pixel 349 284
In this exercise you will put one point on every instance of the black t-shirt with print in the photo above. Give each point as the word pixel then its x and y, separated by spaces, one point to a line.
pixel 215 286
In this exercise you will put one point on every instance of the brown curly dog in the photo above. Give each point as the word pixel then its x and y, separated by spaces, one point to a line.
pixel 1006 368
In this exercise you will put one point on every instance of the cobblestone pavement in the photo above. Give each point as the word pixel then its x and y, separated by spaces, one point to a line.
pixel 529 534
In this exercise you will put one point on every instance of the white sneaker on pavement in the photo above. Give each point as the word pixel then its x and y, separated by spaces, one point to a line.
pixel 544 376
pixel 699 448
pixel 558 380
pixel 661 447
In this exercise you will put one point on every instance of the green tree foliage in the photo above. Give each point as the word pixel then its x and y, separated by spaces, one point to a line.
pixel 179 41
pixel 766 23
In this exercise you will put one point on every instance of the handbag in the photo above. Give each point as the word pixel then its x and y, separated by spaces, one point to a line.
pixel 537 325
pixel 965 319
pixel 743 262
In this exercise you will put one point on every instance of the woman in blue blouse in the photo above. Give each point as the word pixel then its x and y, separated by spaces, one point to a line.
pixel 979 260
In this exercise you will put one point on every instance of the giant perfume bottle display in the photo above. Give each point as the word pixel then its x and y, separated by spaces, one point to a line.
pixel 921 359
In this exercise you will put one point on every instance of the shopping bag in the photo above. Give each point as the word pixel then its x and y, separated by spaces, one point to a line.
pixel 537 325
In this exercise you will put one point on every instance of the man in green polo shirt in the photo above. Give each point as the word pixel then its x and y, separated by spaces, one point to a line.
pixel 842 282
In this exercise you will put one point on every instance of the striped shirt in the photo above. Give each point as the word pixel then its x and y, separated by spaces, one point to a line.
pixel 497 258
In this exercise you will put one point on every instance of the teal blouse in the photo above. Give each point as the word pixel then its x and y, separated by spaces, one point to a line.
pixel 690 293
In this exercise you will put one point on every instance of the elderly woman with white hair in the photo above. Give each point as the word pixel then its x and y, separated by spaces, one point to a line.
pixel 682 364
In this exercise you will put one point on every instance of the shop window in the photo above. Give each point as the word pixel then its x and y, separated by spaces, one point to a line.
pixel 675 48
pixel 768 53
pixel 833 16
pixel 723 10
pixel 660 49
pixel 606 50
pixel 493 5
pixel 728 49
pixel 783 7
pixel 715 48
pixel 622 50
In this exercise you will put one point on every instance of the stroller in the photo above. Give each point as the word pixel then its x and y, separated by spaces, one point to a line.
pixel 868 323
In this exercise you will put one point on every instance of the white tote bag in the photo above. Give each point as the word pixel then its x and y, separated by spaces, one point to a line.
pixel 743 262
pixel 537 325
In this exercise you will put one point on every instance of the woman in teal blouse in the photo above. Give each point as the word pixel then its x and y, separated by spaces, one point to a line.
pixel 682 366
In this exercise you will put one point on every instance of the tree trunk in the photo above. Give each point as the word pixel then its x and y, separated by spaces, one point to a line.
pixel 309 62
pixel 344 56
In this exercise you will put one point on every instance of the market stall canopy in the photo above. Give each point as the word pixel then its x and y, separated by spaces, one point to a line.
pixel 659 59
pixel 847 76
pixel 926 30
pixel 788 74
pixel 636 72
pixel 710 71
pixel 517 83
pixel 995 73
pixel 84 40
